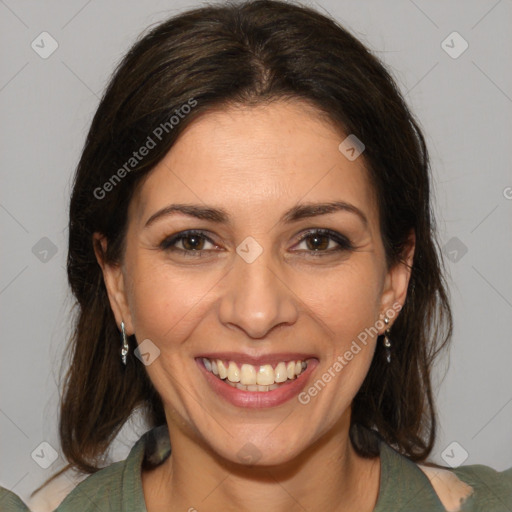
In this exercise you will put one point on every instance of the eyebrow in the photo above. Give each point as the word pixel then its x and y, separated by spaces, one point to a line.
pixel 219 215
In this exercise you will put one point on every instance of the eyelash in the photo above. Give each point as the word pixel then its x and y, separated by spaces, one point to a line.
pixel 344 243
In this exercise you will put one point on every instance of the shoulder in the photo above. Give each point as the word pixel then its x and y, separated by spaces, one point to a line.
pixel 492 489
pixel 10 502
pixel 118 487
pixel 431 487
pixel 48 497
pixel 471 488
pixel 108 488
pixel 100 490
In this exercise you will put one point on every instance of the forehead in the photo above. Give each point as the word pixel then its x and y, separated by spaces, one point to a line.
pixel 257 160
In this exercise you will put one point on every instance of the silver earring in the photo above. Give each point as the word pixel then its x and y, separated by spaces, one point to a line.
pixel 125 348
pixel 387 342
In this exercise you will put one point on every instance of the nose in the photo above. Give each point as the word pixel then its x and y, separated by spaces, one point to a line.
pixel 257 298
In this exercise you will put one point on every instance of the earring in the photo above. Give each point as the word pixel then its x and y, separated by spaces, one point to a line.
pixel 387 342
pixel 125 348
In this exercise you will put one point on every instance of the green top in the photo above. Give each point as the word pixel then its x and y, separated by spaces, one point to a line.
pixel 404 486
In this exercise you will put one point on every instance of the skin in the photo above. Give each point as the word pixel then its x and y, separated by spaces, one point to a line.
pixel 256 163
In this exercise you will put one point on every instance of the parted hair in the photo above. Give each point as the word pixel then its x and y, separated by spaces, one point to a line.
pixel 249 53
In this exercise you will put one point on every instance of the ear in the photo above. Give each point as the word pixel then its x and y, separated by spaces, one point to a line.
pixel 114 283
pixel 397 280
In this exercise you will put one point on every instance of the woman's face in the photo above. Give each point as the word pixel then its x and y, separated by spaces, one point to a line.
pixel 247 289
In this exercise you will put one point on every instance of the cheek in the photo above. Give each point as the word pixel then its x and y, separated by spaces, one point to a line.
pixel 346 304
pixel 345 299
pixel 165 302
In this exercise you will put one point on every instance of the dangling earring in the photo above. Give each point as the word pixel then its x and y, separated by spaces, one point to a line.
pixel 387 342
pixel 125 348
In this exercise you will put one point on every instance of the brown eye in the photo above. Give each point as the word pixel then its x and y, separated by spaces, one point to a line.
pixel 325 241
pixel 191 242
pixel 317 242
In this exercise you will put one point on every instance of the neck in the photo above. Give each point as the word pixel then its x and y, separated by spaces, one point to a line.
pixel 329 475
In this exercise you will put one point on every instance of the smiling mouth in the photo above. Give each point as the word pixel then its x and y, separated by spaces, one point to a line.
pixel 262 378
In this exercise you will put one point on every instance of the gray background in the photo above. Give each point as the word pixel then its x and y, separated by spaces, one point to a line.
pixel 464 105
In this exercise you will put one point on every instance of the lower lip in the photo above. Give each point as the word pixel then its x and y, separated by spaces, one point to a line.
pixel 259 399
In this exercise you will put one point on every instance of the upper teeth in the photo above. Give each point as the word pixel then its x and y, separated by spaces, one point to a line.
pixel 248 374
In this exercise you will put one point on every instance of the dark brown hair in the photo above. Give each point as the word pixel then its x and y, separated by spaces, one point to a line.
pixel 248 54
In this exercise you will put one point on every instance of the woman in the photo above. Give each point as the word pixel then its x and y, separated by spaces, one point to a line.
pixel 251 216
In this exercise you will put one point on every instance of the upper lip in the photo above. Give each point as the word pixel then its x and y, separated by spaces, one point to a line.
pixel 260 360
